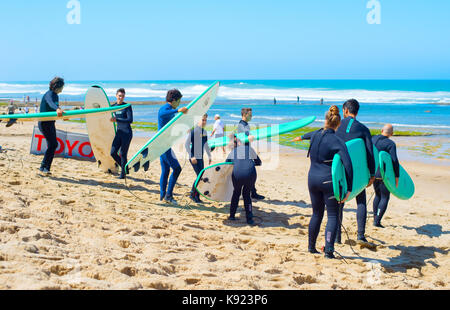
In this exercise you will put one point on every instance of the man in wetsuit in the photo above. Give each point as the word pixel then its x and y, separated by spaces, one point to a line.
pixel 168 159
pixel 243 126
pixel 382 194
pixel 351 129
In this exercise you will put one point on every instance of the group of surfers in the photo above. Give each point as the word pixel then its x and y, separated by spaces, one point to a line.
pixel 324 144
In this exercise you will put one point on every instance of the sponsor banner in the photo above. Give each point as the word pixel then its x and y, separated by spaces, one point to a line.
pixel 70 145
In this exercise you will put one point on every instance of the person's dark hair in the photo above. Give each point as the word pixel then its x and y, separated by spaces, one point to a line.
pixel 333 118
pixel 244 111
pixel 56 83
pixel 173 95
pixel 352 105
pixel 120 90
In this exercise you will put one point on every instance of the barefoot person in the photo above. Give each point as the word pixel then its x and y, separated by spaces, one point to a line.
pixel 168 160
pixel 49 103
pixel 218 129
pixel 244 177
pixel 382 194
pixel 324 145
pixel 124 133
pixel 352 129
pixel 196 144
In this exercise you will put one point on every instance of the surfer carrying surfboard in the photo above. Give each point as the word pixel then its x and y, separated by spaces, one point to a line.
pixel 168 159
pixel 196 144
pixel 382 194
pixel 49 103
pixel 244 127
pixel 124 133
pixel 351 129
pixel 324 145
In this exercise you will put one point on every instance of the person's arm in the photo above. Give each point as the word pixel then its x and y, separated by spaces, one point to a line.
pixel 167 112
pixel 395 163
pixel 128 116
pixel 369 151
pixel 208 150
pixel 306 136
pixel 187 144
pixel 347 162
pixel 52 101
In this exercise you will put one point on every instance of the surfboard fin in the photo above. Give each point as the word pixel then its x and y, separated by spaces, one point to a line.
pixel 146 165
pixel 137 166
pixel 144 153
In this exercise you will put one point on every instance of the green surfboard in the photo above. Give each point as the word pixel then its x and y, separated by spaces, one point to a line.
pixel 265 132
pixel 53 116
pixel 361 176
pixel 405 189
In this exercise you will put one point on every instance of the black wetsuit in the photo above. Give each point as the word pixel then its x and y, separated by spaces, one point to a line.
pixel 124 135
pixel 243 126
pixel 196 143
pixel 324 145
pixel 382 194
pixel 244 177
pixel 49 103
pixel 351 129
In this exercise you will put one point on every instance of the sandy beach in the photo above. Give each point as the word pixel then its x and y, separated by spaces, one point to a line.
pixel 83 229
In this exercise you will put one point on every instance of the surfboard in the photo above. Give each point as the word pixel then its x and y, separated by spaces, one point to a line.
pixel 361 175
pixel 405 189
pixel 67 115
pixel 214 182
pixel 100 128
pixel 265 132
pixel 174 130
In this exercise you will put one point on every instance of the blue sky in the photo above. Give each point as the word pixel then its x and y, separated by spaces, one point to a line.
pixel 229 39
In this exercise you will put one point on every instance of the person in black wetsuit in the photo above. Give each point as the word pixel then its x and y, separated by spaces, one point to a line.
pixel 243 126
pixel 50 103
pixel 382 194
pixel 124 133
pixel 324 145
pixel 351 129
pixel 244 177
pixel 196 143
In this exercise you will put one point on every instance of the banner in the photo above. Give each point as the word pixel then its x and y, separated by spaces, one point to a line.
pixel 70 145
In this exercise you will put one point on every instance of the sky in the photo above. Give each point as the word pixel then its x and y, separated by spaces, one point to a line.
pixel 228 39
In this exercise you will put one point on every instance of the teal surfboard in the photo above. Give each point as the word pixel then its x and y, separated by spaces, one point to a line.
pixel 53 116
pixel 174 130
pixel 265 132
pixel 214 182
pixel 405 189
pixel 361 176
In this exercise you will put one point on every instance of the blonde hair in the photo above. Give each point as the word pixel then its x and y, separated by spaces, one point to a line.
pixel 332 117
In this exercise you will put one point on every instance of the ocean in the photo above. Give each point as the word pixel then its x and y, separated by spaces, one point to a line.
pixel 407 104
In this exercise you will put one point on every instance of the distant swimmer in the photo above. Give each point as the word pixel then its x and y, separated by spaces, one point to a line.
pixel 195 145
pixel 351 129
pixel 124 133
pixel 50 103
pixel 243 126
pixel 324 145
pixel 382 194
pixel 244 177
pixel 168 160
pixel 218 129
pixel 321 101
pixel 274 100
pixel 11 110
pixel 298 99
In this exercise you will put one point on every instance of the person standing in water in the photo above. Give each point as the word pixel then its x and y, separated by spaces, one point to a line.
pixel 168 159
pixel 324 145
pixel 244 127
pixel 243 177
pixel 384 143
pixel 50 103
pixel 196 144
pixel 124 133
pixel 351 129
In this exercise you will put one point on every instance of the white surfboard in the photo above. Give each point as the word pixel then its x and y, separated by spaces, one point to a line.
pixel 100 128
pixel 214 182
pixel 173 131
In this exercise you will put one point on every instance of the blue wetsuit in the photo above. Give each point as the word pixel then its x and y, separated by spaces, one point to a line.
pixel 123 137
pixel 382 194
pixel 324 145
pixel 244 177
pixel 196 143
pixel 168 159
pixel 351 129
pixel 49 103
